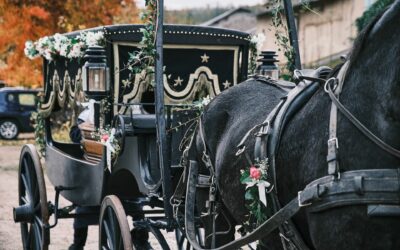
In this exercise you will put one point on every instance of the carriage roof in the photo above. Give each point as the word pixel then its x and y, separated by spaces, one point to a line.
pixel 181 34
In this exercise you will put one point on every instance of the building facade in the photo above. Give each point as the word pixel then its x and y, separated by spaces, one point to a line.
pixel 325 33
pixel 239 19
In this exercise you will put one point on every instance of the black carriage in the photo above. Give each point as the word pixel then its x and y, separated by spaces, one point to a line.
pixel 198 61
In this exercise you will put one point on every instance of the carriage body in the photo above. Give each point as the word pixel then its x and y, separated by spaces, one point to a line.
pixel 197 60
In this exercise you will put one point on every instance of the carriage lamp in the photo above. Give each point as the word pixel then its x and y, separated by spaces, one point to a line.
pixel 268 65
pixel 95 73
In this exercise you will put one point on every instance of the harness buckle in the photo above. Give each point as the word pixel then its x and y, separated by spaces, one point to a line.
pixel 334 140
pixel 300 202
pixel 265 129
pixel 241 150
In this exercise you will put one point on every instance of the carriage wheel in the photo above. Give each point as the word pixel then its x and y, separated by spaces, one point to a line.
pixel 114 229
pixel 32 213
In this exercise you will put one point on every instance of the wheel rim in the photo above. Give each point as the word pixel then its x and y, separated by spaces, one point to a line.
pixel 32 192
pixel 114 230
pixel 8 130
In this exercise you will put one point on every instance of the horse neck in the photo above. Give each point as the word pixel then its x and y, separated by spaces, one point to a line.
pixel 372 92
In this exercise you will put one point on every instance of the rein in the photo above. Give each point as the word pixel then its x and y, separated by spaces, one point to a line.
pixel 361 127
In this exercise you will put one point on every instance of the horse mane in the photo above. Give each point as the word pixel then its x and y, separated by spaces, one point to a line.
pixel 362 37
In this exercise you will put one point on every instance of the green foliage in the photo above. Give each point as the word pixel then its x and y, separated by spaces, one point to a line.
pixel 371 12
pixel 282 39
pixel 38 123
pixel 143 60
pixel 253 58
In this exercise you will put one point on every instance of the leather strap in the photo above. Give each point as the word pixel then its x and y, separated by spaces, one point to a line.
pixel 333 143
pixel 379 142
pixel 372 186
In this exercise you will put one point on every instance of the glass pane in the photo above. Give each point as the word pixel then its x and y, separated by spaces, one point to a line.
pixel 97 79
pixel 26 99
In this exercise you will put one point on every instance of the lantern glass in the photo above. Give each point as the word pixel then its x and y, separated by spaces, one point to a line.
pixel 97 78
pixel 273 73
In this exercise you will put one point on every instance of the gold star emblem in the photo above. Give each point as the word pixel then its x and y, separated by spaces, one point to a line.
pixel 226 84
pixel 204 58
pixel 178 82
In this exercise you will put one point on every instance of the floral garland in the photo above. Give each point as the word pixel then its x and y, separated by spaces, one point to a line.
pixel 256 43
pixel 255 178
pixel 282 40
pixel 50 47
pixel 143 59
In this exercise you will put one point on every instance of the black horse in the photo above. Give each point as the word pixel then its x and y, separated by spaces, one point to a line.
pixel 371 92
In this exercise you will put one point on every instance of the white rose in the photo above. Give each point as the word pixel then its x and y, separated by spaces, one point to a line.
pixel 47 54
pixel 75 51
pixel 28 45
pixel 64 49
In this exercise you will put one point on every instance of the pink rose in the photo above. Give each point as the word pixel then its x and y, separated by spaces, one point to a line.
pixel 104 137
pixel 255 173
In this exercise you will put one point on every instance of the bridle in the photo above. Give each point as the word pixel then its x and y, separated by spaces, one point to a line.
pixel 333 87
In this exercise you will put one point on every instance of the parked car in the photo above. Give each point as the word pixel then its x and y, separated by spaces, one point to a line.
pixel 16 107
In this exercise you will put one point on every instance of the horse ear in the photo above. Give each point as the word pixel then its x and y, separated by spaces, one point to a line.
pixel 389 20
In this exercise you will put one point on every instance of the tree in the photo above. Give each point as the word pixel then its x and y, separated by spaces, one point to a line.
pixel 371 12
pixel 22 20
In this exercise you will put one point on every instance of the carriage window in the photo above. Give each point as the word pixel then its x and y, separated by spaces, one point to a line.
pixel 26 99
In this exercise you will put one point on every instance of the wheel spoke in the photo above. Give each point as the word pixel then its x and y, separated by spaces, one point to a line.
pixel 26 188
pixel 30 237
pixel 37 236
pixel 33 179
pixel 109 241
pixel 110 216
pixel 115 229
pixel 25 200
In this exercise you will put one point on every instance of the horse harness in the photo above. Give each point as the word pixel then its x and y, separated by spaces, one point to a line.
pixel 377 188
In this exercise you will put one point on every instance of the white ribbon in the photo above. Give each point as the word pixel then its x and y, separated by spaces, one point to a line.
pixel 109 148
pixel 90 107
pixel 262 185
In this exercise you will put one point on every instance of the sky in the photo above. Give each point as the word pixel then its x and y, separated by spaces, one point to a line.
pixel 184 4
